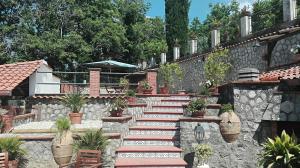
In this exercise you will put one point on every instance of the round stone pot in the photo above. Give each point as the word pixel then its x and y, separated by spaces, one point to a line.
pixel 164 90
pixel 131 100
pixel 147 91
pixel 199 114
pixel 13 163
pixel 230 126
pixel 7 122
pixel 118 113
pixel 75 118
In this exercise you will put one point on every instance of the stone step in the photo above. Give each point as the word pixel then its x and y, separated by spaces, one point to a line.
pixel 149 152
pixel 173 122
pixel 175 101
pixel 150 163
pixel 152 130
pixel 166 108
pixel 156 114
pixel 150 140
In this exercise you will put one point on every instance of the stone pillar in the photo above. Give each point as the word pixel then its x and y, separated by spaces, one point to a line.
pixel 215 37
pixel 152 79
pixel 163 58
pixel 95 82
pixel 176 53
pixel 144 64
pixel 289 10
pixel 193 46
pixel 246 26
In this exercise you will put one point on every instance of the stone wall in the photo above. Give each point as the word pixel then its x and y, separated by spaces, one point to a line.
pixel 246 55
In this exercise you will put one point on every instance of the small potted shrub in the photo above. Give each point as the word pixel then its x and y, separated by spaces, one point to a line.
pixel 12 145
pixel 62 144
pixel 117 107
pixel 131 97
pixel 7 120
pixel 91 140
pixel 197 107
pixel 230 125
pixel 203 152
pixel 74 102
pixel 169 72
pixel 281 152
pixel 146 87
pixel 124 83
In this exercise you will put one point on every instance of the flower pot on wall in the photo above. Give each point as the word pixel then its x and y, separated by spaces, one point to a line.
pixel 147 91
pixel 13 163
pixel 214 89
pixel 181 92
pixel 117 113
pixel 75 118
pixel 164 90
pixel 199 114
pixel 230 126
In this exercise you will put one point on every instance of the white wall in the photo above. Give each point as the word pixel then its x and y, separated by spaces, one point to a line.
pixel 43 83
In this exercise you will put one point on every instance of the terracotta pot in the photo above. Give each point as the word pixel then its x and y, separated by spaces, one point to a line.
pixel 7 122
pixel 199 114
pixel 181 92
pixel 164 90
pixel 132 100
pixel 230 126
pixel 118 113
pixel 147 91
pixel 75 118
pixel 13 163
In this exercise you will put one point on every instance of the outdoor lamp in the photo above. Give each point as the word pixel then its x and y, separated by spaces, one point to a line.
pixel 75 64
pixel 199 133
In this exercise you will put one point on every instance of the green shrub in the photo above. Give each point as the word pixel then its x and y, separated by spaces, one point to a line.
pixel 118 105
pixel 169 71
pixel 203 152
pixel 145 84
pixel 124 82
pixel 196 105
pixel 62 124
pixel 74 101
pixel 204 91
pixel 130 93
pixel 12 146
pixel 282 152
pixel 226 108
pixel 92 140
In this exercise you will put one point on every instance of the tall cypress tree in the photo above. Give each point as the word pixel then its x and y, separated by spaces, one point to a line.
pixel 177 22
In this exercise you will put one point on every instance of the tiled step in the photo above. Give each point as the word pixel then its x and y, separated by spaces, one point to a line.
pixel 152 130
pixel 143 140
pixel 148 152
pixel 172 122
pixel 175 101
pixel 156 114
pixel 166 108
pixel 150 163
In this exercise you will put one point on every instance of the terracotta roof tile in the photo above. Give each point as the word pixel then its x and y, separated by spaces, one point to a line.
pixel 281 74
pixel 11 75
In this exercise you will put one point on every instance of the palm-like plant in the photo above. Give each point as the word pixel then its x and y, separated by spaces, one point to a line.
pixel 12 146
pixel 74 101
pixel 92 140
pixel 282 152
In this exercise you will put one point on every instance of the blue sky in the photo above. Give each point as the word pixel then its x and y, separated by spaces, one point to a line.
pixel 199 8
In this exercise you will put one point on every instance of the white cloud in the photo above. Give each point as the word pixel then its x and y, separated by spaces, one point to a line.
pixel 247 3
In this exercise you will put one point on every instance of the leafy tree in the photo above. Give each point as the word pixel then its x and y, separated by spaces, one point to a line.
pixel 177 24
pixel 200 32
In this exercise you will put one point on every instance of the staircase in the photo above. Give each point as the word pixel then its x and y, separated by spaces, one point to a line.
pixel 154 141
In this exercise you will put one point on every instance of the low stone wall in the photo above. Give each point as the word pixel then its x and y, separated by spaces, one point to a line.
pixel 23 119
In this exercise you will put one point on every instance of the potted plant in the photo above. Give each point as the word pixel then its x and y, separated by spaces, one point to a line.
pixel 230 125
pixel 203 152
pixel 197 107
pixel 146 87
pixel 245 12
pixel 281 152
pixel 169 72
pixel 296 51
pixel 131 97
pixel 75 102
pixel 117 107
pixel 12 145
pixel 62 144
pixel 124 83
pixel 92 140
pixel 6 119
pixel 215 68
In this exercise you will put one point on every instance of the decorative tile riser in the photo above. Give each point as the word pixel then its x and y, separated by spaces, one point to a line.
pixel 153 132
pixel 171 124
pixel 180 97
pixel 165 109
pixel 150 143
pixel 162 115
pixel 149 155
pixel 172 103
pixel 150 167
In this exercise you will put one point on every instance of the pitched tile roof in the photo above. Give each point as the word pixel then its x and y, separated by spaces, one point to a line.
pixel 11 75
pixel 281 74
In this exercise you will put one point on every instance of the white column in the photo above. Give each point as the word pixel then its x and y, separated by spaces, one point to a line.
pixel 246 27
pixel 163 58
pixel 215 38
pixel 176 53
pixel 289 10
pixel 193 46
pixel 144 64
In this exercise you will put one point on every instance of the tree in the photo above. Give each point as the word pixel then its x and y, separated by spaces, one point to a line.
pixel 177 24
pixel 200 32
